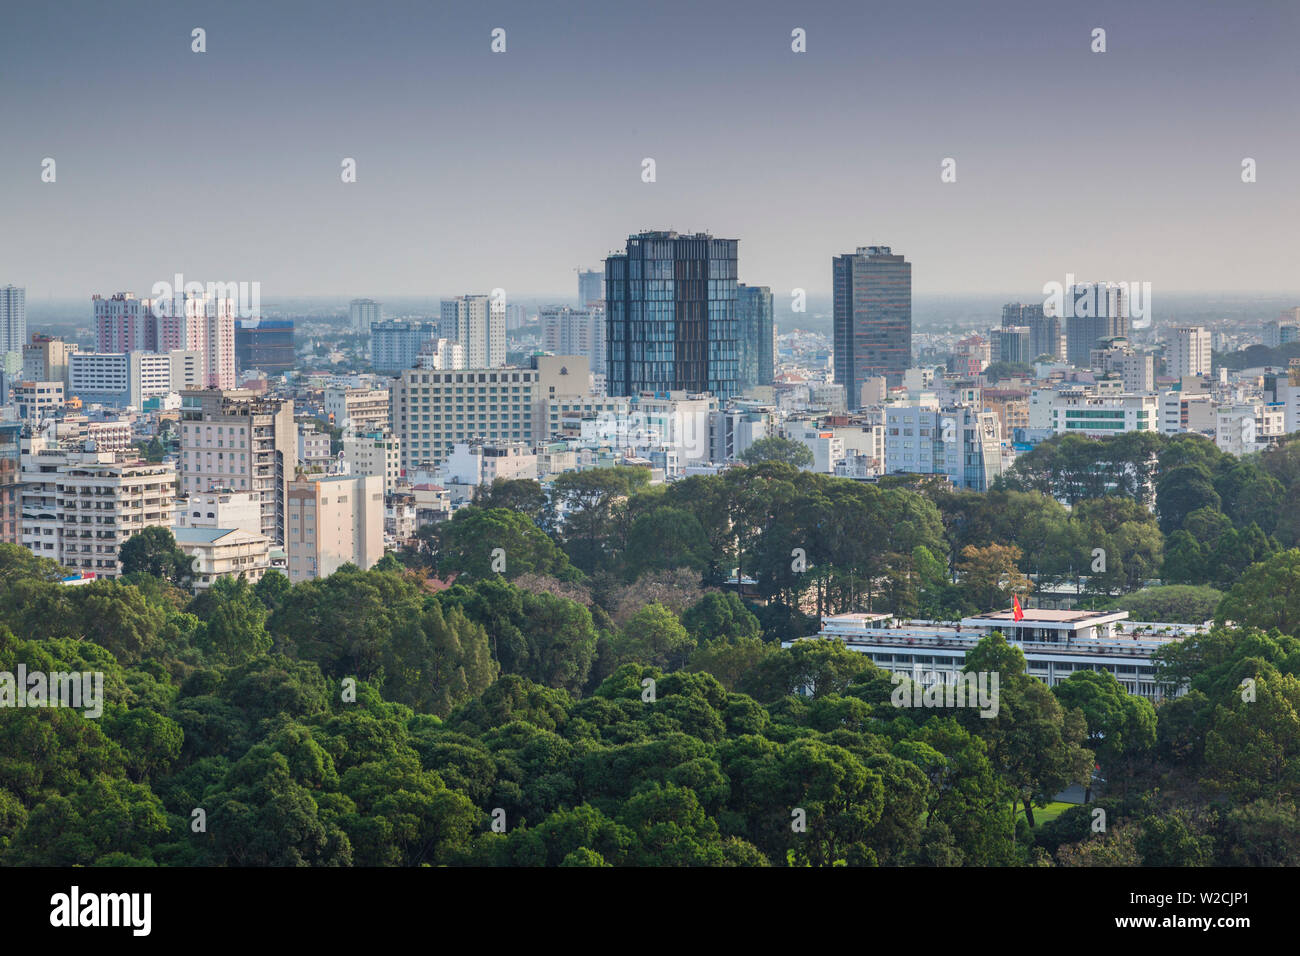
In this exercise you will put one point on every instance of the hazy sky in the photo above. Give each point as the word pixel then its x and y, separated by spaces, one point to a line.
pixel 478 170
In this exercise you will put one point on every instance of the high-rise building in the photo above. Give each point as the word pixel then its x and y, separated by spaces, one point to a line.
pixel 1011 343
pixel 671 319
pixel 1046 332
pixel 480 327
pixel 13 320
pixel 591 287
pixel 219 344
pixel 580 331
pixel 80 507
pixel 10 482
pixel 1189 352
pixel 264 344
pixel 236 439
pixel 124 323
pixel 1099 311
pixel 45 358
pixel 362 314
pixel 395 346
pixel 189 323
pixel 333 521
pixel 872 317
pixel 757 358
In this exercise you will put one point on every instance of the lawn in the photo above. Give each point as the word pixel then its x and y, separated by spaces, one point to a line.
pixel 1045 814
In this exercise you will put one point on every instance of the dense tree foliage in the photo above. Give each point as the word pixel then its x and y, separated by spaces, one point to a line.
pixel 608 697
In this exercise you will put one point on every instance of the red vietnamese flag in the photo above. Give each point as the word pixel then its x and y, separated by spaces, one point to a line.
pixel 1017 612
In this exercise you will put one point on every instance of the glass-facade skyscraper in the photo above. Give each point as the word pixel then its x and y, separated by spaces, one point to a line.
pixel 1097 311
pixel 872 319
pixel 671 315
pixel 265 344
pixel 757 343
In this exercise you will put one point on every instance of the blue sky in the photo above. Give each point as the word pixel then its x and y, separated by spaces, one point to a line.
pixel 478 170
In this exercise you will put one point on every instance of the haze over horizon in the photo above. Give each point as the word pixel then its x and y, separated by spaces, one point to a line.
pixel 477 170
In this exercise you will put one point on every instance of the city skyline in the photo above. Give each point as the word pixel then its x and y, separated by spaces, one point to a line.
pixel 243 182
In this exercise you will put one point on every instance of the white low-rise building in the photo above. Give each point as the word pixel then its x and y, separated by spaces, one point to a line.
pixel 224 552
pixel 1056 644
pixel 481 463
pixel 220 509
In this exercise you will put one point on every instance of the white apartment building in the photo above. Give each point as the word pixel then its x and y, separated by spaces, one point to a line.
pixel 37 400
pixel 481 463
pixel 361 408
pixel 671 429
pixel 441 355
pixel 236 439
pixel 224 552
pixel 827 450
pixel 79 508
pixel 828 395
pixel 565 416
pixel 377 453
pixel 1077 412
pixel 480 327
pixel 220 509
pixel 313 448
pixel 736 427
pixel 127 379
pixel 1242 429
pixel 1187 412
pixel 79 433
pixel 922 437
pixel 333 521
pixel 1189 352
pixel 865 445
pixel 1136 369
pixel 363 313
pixel 569 331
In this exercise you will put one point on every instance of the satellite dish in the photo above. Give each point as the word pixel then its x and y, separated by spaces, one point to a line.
pixel 196 564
